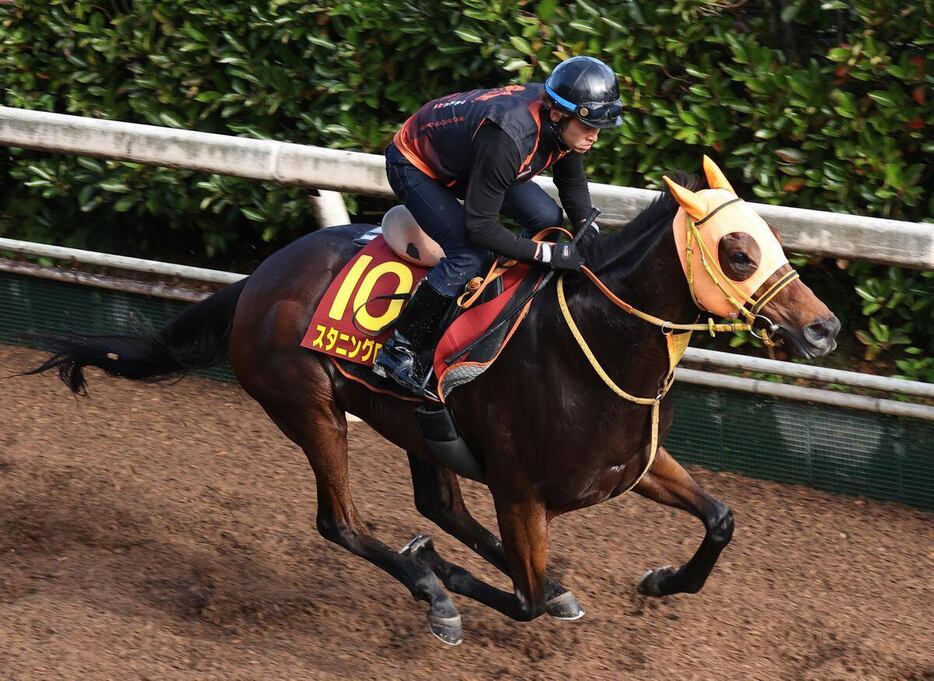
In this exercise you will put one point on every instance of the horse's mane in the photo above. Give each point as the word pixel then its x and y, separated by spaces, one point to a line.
pixel 624 250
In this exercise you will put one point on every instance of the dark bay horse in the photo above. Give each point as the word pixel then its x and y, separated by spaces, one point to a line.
pixel 551 435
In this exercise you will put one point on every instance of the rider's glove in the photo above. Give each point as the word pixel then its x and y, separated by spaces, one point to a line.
pixel 561 256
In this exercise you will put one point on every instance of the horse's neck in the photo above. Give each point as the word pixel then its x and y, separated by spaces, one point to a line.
pixel 655 284
pixel 628 347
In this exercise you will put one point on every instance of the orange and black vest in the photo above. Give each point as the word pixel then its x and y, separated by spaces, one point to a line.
pixel 438 138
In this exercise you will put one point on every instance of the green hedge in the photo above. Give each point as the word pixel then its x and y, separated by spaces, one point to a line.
pixel 820 105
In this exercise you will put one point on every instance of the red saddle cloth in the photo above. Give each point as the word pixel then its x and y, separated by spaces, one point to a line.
pixel 354 319
pixel 461 355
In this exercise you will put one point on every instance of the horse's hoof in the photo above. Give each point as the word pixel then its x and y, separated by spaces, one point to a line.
pixel 418 543
pixel 657 582
pixel 564 607
pixel 448 630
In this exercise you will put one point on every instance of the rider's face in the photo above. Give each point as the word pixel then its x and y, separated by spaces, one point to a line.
pixel 576 135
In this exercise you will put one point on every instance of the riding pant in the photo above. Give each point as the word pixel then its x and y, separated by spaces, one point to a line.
pixel 438 212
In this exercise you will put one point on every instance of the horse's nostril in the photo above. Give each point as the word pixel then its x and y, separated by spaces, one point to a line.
pixel 823 331
pixel 816 332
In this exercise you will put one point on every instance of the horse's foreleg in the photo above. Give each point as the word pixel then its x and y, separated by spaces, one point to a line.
pixel 525 538
pixel 669 484
pixel 438 498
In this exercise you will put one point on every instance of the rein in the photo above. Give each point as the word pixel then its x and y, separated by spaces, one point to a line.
pixel 676 346
pixel 752 314
pixel 666 326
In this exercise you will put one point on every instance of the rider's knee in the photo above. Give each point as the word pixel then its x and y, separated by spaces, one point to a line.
pixel 466 261
pixel 450 277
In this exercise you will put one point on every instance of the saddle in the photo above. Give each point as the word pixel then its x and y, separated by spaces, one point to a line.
pixel 356 314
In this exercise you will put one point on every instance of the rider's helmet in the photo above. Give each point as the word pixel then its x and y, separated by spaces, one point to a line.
pixel 586 88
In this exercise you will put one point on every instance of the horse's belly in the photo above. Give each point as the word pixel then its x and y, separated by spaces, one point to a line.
pixel 603 484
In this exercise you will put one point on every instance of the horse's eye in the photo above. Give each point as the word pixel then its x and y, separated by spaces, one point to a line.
pixel 738 253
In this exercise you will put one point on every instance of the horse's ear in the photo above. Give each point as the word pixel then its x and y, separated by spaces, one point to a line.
pixel 715 177
pixel 693 203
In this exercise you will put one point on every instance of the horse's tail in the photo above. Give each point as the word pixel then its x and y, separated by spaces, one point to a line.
pixel 195 339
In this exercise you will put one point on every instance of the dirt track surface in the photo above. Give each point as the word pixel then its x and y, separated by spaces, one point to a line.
pixel 167 532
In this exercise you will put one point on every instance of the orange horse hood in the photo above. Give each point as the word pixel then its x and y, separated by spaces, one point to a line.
pixel 716 213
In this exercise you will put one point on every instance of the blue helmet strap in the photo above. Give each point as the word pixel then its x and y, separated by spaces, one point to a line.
pixel 565 104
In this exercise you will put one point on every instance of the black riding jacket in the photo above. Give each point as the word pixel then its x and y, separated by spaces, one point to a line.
pixel 490 140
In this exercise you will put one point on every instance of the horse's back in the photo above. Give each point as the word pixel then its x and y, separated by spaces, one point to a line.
pixel 307 264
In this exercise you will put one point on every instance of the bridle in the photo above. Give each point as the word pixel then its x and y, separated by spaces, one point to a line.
pixel 750 309
pixel 676 343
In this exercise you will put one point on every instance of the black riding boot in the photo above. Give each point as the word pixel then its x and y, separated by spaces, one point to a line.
pixel 402 358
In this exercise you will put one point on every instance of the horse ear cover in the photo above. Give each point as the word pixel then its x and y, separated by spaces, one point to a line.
pixel 693 204
pixel 715 177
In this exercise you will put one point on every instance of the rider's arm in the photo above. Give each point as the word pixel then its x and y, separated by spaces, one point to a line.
pixel 571 183
pixel 495 166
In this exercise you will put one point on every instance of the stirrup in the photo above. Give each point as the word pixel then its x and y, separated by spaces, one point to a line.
pixel 408 380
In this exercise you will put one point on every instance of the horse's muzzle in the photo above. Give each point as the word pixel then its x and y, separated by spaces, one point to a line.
pixel 822 335
pixel 816 339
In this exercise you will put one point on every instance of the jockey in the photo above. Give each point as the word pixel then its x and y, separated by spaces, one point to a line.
pixel 484 146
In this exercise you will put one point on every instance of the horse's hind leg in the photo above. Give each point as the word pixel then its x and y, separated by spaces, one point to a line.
pixel 321 430
pixel 524 526
pixel 669 484
pixel 438 498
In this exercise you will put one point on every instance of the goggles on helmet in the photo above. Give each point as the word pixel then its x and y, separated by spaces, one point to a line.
pixel 596 114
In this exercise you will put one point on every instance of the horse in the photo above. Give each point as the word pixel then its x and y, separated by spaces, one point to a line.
pixel 543 420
